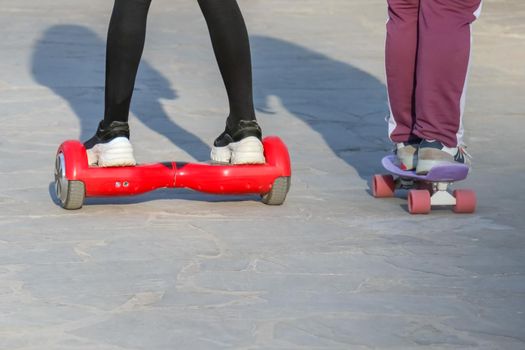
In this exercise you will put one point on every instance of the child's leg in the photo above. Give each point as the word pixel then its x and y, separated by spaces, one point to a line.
pixel 241 141
pixel 400 55
pixel 126 36
pixel 127 31
pixel 441 74
pixel 232 49
pixel 443 59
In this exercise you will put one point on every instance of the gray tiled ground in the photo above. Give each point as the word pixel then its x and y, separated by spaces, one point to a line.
pixel 331 269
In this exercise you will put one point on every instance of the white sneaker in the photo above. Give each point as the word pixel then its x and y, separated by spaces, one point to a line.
pixel 110 147
pixel 247 151
pixel 434 153
pixel 406 155
pixel 243 146
pixel 117 152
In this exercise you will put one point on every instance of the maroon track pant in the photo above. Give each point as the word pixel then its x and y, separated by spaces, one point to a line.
pixel 427 59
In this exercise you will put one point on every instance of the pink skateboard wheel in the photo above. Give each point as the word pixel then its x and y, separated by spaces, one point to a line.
pixel 383 186
pixel 419 202
pixel 465 201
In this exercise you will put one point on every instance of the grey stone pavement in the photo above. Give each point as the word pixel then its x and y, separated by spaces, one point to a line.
pixel 333 268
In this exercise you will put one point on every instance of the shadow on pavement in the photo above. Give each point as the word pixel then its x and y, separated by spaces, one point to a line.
pixel 342 103
pixel 70 60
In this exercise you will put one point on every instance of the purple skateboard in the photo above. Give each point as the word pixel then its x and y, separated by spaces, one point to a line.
pixel 444 173
pixel 425 190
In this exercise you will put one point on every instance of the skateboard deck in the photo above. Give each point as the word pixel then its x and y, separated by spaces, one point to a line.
pixel 441 173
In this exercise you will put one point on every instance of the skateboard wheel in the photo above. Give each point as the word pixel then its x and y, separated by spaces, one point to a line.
pixel 383 186
pixel 69 193
pixel 419 202
pixel 465 201
pixel 277 194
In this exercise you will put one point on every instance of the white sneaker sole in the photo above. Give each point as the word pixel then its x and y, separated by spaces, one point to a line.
pixel 247 151
pixel 117 152
pixel 424 166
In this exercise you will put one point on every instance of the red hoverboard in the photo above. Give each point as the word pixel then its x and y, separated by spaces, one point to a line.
pixel 76 180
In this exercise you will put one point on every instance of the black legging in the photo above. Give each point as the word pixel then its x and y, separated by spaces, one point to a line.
pixel 126 36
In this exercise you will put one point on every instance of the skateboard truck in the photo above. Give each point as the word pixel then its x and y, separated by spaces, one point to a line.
pixel 440 195
pixel 75 180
